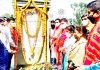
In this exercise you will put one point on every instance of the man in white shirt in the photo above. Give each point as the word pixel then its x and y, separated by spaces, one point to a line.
pixel 10 43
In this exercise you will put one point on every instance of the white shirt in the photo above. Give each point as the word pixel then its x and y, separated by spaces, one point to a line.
pixel 10 41
pixel 68 44
pixel 3 38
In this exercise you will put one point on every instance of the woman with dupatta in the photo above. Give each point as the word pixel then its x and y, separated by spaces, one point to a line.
pixel 78 49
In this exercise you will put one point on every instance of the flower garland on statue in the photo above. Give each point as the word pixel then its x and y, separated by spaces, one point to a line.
pixel 26 30
pixel 37 27
pixel 19 26
pixel 30 35
pixel 39 53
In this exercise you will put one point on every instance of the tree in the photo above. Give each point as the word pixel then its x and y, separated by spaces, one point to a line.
pixel 79 10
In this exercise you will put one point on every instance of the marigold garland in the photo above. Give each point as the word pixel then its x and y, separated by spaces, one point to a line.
pixel 37 27
pixel 19 24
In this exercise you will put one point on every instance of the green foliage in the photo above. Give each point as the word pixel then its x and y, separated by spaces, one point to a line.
pixel 79 10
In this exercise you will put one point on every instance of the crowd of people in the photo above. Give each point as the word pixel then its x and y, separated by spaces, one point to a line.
pixel 67 42
pixel 77 47
pixel 8 41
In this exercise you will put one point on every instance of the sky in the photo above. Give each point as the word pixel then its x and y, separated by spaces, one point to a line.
pixel 6 6
pixel 58 5
pixel 59 8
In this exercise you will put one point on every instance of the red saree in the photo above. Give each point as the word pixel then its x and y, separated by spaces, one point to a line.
pixel 92 49
pixel 61 41
pixel 14 34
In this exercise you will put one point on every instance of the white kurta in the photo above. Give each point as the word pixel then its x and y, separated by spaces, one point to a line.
pixel 68 44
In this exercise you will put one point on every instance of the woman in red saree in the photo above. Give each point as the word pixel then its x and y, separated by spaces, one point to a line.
pixel 92 49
